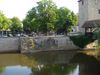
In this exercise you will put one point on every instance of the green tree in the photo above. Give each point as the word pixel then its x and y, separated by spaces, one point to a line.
pixel 16 25
pixel 41 18
pixel 73 20
pixel 31 22
pixel 46 17
pixel 63 13
pixel 4 22
pixel 66 19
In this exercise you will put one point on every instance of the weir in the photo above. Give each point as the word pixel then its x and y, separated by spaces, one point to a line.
pixel 34 44
pixel 46 43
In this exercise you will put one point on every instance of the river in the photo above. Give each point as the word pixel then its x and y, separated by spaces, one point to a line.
pixel 49 63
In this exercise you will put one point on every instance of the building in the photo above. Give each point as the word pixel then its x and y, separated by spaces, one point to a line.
pixel 89 15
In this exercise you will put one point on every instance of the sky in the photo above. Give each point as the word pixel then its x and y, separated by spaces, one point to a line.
pixel 19 8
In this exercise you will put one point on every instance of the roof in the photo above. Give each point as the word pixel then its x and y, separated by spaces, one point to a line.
pixel 91 24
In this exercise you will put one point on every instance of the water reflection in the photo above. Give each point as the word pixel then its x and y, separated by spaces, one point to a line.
pixel 53 57
pixel 54 69
pixel 16 70
pixel 88 65
pixel 2 69
pixel 49 63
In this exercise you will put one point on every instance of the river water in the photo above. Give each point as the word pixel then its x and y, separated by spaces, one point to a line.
pixel 49 63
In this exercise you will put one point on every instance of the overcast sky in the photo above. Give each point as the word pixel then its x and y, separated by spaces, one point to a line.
pixel 19 8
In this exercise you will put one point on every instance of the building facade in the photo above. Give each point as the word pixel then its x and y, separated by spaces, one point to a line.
pixel 88 10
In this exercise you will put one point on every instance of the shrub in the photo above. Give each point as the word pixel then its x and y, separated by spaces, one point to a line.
pixel 81 40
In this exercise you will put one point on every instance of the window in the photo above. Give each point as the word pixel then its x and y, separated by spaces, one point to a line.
pixel 82 2
pixel 99 11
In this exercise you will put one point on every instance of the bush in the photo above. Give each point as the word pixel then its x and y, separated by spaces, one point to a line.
pixel 81 40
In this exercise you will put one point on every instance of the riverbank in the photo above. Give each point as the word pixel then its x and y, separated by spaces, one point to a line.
pixel 38 44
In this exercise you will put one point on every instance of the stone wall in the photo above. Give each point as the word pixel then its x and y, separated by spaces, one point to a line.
pixel 45 43
pixel 33 44
pixel 89 10
pixel 91 46
pixel 9 44
pixel 83 14
pixel 93 9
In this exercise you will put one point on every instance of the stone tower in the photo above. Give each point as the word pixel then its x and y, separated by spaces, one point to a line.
pixel 88 10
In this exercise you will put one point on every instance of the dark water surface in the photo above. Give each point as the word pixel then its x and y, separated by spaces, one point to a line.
pixel 49 63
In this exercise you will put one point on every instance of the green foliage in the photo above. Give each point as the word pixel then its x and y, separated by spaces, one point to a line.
pixel 2 69
pixel 81 41
pixel 41 18
pixel 16 24
pixel 47 17
pixel 99 41
pixel 73 20
pixel 63 14
pixel 11 24
pixel 66 19
pixel 4 22
pixel 96 33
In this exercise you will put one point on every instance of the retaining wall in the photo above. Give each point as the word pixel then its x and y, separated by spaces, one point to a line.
pixel 46 43
pixel 8 44
pixel 32 44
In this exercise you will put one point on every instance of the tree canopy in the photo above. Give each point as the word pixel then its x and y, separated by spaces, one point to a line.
pixel 16 24
pixel 4 22
pixel 10 24
pixel 66 19
pixel 46 17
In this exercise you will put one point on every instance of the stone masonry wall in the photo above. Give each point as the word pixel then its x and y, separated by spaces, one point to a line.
pixel 44 43
pixel 9 44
